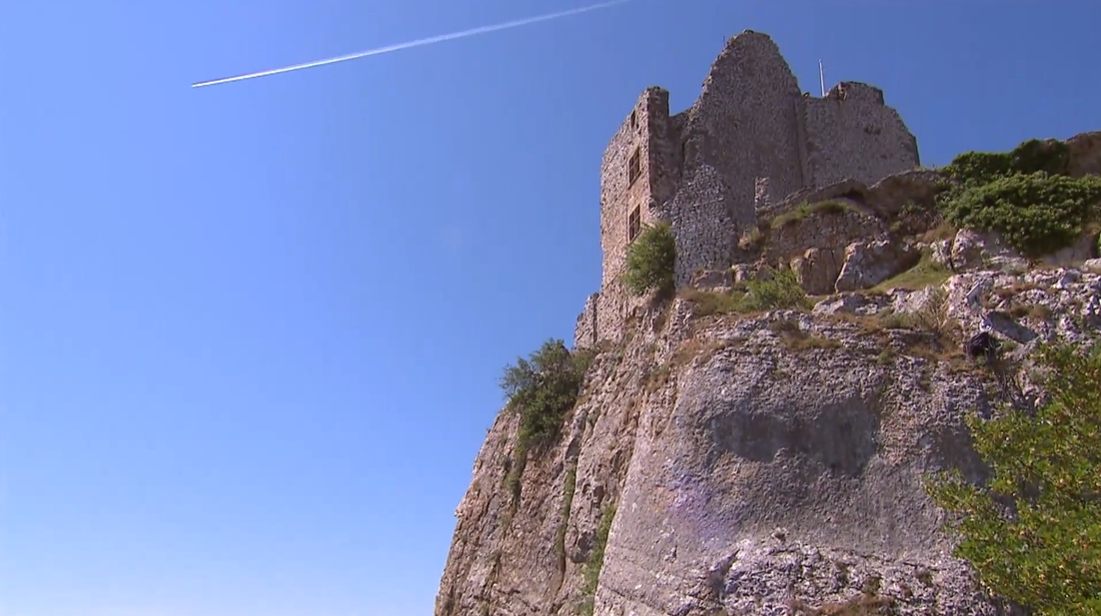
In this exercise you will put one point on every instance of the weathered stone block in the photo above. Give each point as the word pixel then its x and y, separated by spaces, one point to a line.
pixel 870 263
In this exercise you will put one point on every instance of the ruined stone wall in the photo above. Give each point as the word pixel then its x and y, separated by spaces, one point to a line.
pixel 852 134
pixel 744 124
pixel 584 333
pixel 701 221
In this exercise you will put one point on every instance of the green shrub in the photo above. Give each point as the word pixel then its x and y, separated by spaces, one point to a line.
pixel 1033 534
pixel 1036 213
pixel 781 291
pixel 651 259
pixel 1029 157
pixel 543 389
pixel 707 303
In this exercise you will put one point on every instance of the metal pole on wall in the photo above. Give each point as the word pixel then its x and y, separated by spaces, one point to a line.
pixel 822 78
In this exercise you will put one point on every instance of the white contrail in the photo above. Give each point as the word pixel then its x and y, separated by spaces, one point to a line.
pixel 419 43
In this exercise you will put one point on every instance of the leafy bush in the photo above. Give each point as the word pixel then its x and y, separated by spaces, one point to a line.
pixel 542 389
pixel 651 259
pixel 1029 157
pixel 1033 534
pixel 1023 194
pixel 1036 213
pixel 780 291
pixel 916 219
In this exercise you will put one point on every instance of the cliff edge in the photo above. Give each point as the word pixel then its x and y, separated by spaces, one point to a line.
pixel 728 456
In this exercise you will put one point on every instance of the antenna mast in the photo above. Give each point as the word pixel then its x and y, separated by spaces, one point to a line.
pixel 822 78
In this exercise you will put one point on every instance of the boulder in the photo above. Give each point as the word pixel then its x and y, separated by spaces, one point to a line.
pixel 817 270
pixel 870 263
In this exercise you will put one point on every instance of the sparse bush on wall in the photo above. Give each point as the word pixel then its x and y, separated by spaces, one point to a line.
pixel 651 260
pixel 564 515
pixel 1033 534
pixel 751 239
pixel 913 219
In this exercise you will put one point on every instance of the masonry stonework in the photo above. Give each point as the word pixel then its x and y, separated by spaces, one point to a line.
pixel 750 137
pixel 852 135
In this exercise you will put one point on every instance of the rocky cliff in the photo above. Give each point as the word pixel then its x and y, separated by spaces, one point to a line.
pixel 730 460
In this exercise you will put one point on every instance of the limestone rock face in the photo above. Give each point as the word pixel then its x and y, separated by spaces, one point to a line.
pixel 970 249
pixel 870 263
pixel 817 269
pixel 1085 154
pixel 755 464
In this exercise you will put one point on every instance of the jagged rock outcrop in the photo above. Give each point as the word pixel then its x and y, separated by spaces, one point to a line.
pixel 719 464
pixel 1084 154
pixel 758 463
pixel 850 236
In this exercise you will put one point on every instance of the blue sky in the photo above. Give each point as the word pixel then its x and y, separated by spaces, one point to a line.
pixel 250 334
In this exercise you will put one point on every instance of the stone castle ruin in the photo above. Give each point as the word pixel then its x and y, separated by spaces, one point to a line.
pixel 751 139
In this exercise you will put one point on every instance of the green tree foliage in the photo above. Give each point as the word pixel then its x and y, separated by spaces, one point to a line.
pixel 1033 533
pixel 543 388
pixel 1023 194
pixel 651 259
pixel 1035 213
pixel 1029 157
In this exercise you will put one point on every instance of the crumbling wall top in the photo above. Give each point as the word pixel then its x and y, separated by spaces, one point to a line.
pixel 856 91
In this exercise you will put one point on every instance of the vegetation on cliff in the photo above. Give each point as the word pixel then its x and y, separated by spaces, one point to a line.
pixel 541 389
pixel 805 210
pixel 596 561
pixel 775 290
pixel 1032 156
pixel 651 259
pixel 1033 534
pixel 1024 194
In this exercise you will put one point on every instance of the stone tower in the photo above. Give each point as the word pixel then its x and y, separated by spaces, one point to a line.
pixel 640 170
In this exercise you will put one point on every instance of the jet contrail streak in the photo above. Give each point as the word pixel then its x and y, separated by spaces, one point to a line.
pixel 427 41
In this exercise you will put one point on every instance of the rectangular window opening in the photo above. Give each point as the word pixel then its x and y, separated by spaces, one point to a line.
pixel 634 224
pixel 634 168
